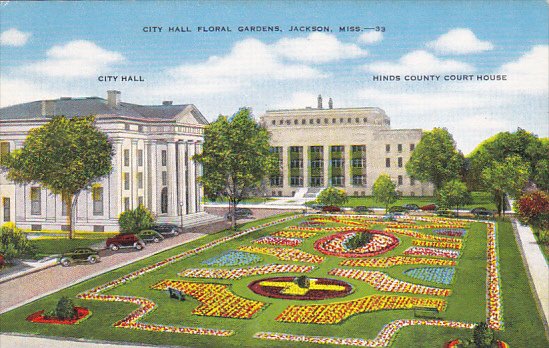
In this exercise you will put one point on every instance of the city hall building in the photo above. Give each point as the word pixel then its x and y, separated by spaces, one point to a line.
pixel 341 147
pixel 154 146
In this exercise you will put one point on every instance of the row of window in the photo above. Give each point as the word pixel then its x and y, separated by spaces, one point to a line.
pixel 357 180
pixel 139 158
pixel 333 148
pixel 399 147
pixel 36 201
pixel 334 120
pixel 165 129
pixel 335 163
pixel 388 162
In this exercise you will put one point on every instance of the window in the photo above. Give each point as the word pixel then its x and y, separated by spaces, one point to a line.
pixel 357 120
pixel 140 158
pixel 126 181
pixel 317 164
pixel 126 157
pixel 365 119
pixel 273 122
pixel 36 227
pixel 326 121
pixel 140 128
pixel 281 122
pixel 358 163
pixel 140 200
pixel 298 149
pixel 338 181
pixel 387 148
pixel 316 181
pixel 303 121
pixel 126 203
pixel 164 201
pixel 276 149
pixel 140 180
pixel 358 148
pixel 164 157
pixel 338 148
pixel 359 180
pixel 164 178
pixel 98 228
pixel 388 163
pixel 400 180
pixel 288 122
pixel 97 198
pixel 296 181
pixel 296 163
pixel 412 181
pixel 399 162
pixel 341 120
pixel 64 206
pixel 36 200
pixel 412 147
pixel 311 121
pixel 296 121
pixel 7 208
pixel 318 121
pixel 127 126
pixel 399 147
pixel 316 149
pixel 333 120
pixel 337 163
pixel 276 181
pixel 349 120
pixel 4 148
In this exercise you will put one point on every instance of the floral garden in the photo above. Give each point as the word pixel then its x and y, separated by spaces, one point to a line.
pixel 299 281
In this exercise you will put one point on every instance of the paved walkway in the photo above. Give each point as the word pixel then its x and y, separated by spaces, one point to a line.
pixel 16 341
pixel 537 266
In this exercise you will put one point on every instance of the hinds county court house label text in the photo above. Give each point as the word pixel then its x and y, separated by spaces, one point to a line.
pixel 471 77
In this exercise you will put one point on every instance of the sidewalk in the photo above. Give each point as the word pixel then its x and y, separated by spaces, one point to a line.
pixel 537 266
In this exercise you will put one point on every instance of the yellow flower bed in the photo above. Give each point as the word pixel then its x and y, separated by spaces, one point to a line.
pixel 286 254
pixel 384 262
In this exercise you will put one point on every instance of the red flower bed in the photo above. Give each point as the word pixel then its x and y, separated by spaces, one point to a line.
pixel 38 317
pixel 284 287
pixel 335 244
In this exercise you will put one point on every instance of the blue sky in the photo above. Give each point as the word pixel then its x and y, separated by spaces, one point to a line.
pixel 53 49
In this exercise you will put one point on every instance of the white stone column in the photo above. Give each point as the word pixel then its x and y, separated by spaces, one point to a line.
pixel 192 178
pixel 153 177
pixel 199 173
pixel 115 181
pixel 326 159
pixel 133 173
pixel 172 179
pixel 182 187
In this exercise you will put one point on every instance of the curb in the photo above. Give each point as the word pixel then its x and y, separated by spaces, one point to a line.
pixel 27 272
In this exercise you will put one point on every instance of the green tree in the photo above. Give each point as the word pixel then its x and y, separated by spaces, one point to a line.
pixel 523 144
pixel 65 156
pixel 135 221
pixel 332 196
pixel 508 176
pixel 435 158
pixel 236 158
pixel 384 190
pixel 454 193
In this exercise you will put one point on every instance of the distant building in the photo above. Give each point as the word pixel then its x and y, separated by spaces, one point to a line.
pixel 153 165
pixel 344 147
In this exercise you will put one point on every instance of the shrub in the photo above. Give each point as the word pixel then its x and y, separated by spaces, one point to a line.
pixel 303 282
pixel 533 209
pixel 483 336
pixel 358 240
pixel 13 242
pixel 332 196
pixel 134 221
pixel 64 309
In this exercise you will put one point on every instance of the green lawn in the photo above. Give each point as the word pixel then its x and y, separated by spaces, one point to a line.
pixel 523 326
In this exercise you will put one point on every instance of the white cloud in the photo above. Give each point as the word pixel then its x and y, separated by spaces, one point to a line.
pixel 75 59
pixel 418 62
pixel 529 73
pixel 485 122
pixel 17 90
pixel 317 48
pixel 459 41
pixel 14 37
pixel 370 37
pixel 298 100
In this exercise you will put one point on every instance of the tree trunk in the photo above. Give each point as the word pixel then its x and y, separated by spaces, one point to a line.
pixel 233 215
pixel 71 213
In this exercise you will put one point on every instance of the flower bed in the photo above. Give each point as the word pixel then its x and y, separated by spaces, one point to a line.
pixel 335 244
pixel 383 282
pixel 493 298
pixel 430 243
pixel 237 273
pixel 435 252
pixel 453 232
pixel 283 241
pixel 286 288
pixel 441 275
pixel 334 313
pixel 293 234
pixel 423 236
pixel 384 262
pixel 233 258
pixel 286 254
pixel 216 299
pixel 39 317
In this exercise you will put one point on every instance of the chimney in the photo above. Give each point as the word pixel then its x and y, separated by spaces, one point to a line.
pixel 330 104
pixel 48 107
pixel 113 98
pixel 167 102
pixel 319 101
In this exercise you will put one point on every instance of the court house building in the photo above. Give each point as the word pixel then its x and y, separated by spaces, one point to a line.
pixel 152 165
pixel 341 147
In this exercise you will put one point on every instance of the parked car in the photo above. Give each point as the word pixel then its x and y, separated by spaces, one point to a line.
pixel 479 210
pixel 397 208
pixel 240 213
pixel 429 207
pixel 411 206
pixel 484 214
pixel 399 213
pixel 125 241
pixel 363 210
pixel 79 255
pixel 331 209
pixel 389 217
pixel 150 236
pixel 167 229
pixel 445 212
pixel 317 206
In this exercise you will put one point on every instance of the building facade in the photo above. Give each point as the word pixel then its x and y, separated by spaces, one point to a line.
pixel 344 147
pixel 152 165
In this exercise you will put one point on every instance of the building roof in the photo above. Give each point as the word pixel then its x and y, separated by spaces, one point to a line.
pixel 71 107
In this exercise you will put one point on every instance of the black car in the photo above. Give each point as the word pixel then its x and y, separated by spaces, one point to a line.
pixel 397 208
pixel 150 236
pixel 167 229
pixel 79 255
pixel 363 210
pixel 240 213
pixel 411 206
pixel 479 210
